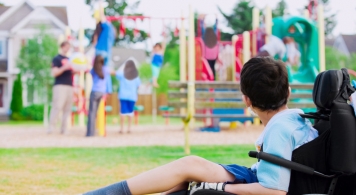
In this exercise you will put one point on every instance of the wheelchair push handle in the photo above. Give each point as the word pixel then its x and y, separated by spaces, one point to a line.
pixel 282 162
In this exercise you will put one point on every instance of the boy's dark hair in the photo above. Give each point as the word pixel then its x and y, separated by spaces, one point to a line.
pixel 64 43
pixel 158 45
pixel 98 66
pixel 265 81
pixel 130 70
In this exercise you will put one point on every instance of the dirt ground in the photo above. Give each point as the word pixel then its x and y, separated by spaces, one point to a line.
pixel 13 136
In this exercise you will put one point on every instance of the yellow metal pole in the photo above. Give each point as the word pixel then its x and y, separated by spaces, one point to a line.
pixel 321 29
pixel 234 40
pixel 191 77
pixel 182 56
pixel 81 80
pixel 246 47
pixel 255 24
pixel 268 23
pixel 67 32
pixel 101 118
pixel 67 35
pixel 306 13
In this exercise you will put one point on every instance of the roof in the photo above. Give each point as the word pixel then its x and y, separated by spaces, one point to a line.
pixel 3 9
pixel 350 41
pixel 16 17
pixel 121 55
pixel 329 42
pixel 59 12
pixel 25 10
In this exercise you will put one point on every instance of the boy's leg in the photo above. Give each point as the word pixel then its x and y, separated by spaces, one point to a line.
pixel 122 120
pixel 182 186
pixel 169 176
pixel 166 177
pixel 129 120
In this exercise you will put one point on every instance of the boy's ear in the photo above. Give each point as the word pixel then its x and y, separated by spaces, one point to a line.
pixel 290 92
pixel 246 100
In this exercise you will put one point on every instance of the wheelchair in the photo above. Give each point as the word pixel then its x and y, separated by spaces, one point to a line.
pixel 326 165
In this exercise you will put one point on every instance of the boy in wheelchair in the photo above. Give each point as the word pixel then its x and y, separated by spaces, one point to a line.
pixel 264 83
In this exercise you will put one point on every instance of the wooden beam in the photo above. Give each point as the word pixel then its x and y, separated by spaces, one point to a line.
pixel 239 116
pixel 203 105
pixel 226 95
pixel 226 85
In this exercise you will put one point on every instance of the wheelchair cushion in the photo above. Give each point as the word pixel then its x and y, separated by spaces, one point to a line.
pixel 326 88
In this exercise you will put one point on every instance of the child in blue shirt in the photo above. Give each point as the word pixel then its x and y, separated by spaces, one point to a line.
pixel 264 83
pixel 129 83
pixel 100 74
pixel 157 62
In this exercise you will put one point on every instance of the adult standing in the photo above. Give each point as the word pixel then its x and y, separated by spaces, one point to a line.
pixel 62 99
pixel 274 47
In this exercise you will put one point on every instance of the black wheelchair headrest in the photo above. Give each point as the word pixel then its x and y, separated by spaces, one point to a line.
pixel 329 86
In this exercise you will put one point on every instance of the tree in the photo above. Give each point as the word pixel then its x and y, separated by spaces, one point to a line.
pixel 330 18
pixel 121 7
pixel 34 62
pixel 240 19
pixel 16 101
pixel 280 9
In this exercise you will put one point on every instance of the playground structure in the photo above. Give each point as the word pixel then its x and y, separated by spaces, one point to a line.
pixel 308 34
pixel 244 46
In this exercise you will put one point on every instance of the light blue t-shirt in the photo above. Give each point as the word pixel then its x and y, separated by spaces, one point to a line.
pixel 285 132
pixel 100 85
pixel 128 88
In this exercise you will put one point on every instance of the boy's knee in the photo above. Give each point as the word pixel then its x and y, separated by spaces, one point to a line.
pixel 191 161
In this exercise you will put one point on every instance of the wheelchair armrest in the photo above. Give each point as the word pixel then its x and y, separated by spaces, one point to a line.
pixel 288 164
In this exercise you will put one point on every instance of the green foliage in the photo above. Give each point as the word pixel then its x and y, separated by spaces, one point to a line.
pixel 145 72
pixel 16 101
pixel 34 62
pixel 241 18
pixel 171 56
pixel 33 112
pixel 280 9
pixel 334 59
pixel 168 73
pixel 330 18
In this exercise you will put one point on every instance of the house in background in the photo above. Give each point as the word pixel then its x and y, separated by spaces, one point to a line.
pixel 121 55
pixel 346 44
pixel 17 24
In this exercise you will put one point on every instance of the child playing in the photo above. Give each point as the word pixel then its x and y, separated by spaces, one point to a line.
pixel 157 62
pixel 100 74
pixel 129 83
pixel 264 83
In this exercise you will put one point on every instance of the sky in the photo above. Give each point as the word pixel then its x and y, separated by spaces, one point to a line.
pixel 80 14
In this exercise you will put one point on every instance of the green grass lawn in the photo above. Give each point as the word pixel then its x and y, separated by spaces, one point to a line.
pixel 76 170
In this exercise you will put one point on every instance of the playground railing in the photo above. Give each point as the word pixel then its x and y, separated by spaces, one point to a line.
pixel 226 95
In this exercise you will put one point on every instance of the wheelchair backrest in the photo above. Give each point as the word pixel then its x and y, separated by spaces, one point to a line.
pixel 331 94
